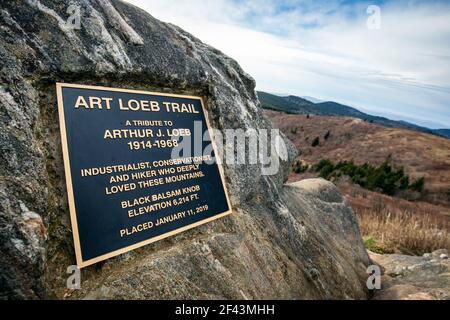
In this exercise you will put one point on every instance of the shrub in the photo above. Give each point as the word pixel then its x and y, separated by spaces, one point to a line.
pixel 315 142
pixel 417 185
pixel 383 178
pixel 322 163
pixel 374 245
pixel 325 168
pixel 299 168
pixel 404 182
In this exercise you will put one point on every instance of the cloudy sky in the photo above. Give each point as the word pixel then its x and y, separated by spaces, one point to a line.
pixel 399 67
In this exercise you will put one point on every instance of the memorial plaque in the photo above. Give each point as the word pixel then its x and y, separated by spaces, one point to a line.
pixel 125 186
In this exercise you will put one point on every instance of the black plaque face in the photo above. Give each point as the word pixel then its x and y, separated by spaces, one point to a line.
pixel 125 186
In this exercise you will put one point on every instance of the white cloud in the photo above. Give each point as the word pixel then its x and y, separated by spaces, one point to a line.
pixel 326 50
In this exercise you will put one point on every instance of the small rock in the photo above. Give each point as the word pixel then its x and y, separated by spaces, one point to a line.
pixel 437 253
pixel 427 255
pixel 398 270
pixel 314 273
pixel 443 256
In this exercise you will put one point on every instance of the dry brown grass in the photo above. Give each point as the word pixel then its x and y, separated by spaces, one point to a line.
pixel 394 225
pixel 420 154
pixel 388 224
pixel 403 232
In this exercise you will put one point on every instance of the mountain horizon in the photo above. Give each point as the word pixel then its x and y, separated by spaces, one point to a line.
pixel 300 105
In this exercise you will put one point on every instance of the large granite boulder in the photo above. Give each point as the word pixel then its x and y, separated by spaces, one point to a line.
pixel 282 241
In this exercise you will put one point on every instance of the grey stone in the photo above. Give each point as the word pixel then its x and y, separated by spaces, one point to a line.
pixel 282 241
pixel 421 278
pixel 437 253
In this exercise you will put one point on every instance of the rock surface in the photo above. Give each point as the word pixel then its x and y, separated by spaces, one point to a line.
pixel 282 241
pixel 414 278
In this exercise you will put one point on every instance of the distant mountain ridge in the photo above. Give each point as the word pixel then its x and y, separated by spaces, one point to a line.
pixel 443 132
pixel 298 105
pixel 312 99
